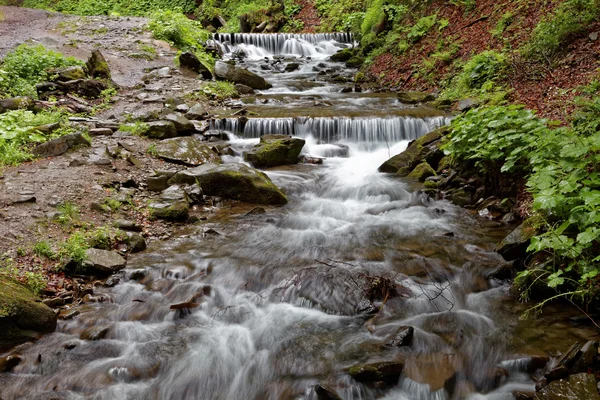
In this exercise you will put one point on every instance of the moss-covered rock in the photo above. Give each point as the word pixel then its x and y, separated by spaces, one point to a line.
pixel 355 62
pixel 232 181
pixel 22 316
pixel 171 211
pixel 16 103
pixel 388 371
pixel 514 246
pixel 161 130
pixel 97 66
pixel 426 148
pixel 415 97
pixel 343 55
pixel 431 185
pixel 422 172
pixel 274 150
pixel 186 150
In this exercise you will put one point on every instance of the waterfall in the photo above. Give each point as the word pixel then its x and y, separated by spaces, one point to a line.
pixel 258 45
pixel 334 129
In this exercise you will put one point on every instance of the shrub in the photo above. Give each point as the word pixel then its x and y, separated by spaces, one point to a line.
pixel 74 249
pixel 27 65
pixel 421 28
pixel 219 90
pixel 374 16
pixel 108 7
pixel 69 213
pixel 43 249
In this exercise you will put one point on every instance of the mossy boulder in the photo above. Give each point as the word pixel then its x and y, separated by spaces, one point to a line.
pixel 274 150
pixel 186 150
pixel 22 316
pixel 426 148
pixel 232 181
pixel 70 73
pixel 422 172
pixel 97 66
pixel 578 386
pixel 514 246
pixel 170 210
pixel 415 97
pixel 235 74
pixel 387 371
pixel 343 55
pixel 161 130
pixel 355 62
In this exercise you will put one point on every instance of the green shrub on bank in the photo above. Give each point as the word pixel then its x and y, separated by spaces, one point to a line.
pixel 19 131
pixel 27 65
pixel 553 33
pixel 116 7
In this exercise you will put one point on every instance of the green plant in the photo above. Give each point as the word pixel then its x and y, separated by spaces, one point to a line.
pixel 219 90
pixel 421 28
pixel 570 19
pixel 27 65
pixel 374 16
pixel 152 150
pixel 504 22
pixel 43 249
pixel 36 281
pixel 137 128
pixel 112 7
pixel 111 204
pixel 68 213
pixel 21 251
pixel 74 249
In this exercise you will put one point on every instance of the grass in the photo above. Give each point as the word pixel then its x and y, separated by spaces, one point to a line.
pixel 43 249
pixel 69 213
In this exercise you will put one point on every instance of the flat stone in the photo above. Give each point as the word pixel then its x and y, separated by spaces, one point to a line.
pixel 197 111
pixel 186 150
pixel 104 261
pixel 61 145
pixel 182 124
pixel 101 132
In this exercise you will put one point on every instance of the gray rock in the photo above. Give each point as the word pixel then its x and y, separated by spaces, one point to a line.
pixel 157 183
pixel 232 181
pixel 576 387
pixel 274 150
pixel 197 111
pixel 16 103
pixel 100 132
pixel 182 124
pixel 186 150
pixel 104 261
pixel 594 36
pixel 514 246
pixel 466 104
pixel 243 89
pixel 235 74
pixel 190 61
pixel 127 225
pixel 61 145
pixel 161 130
pixel 402 337
pixel 136 242
pixel 178 211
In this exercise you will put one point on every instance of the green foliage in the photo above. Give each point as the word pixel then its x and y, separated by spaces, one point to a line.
pixel 69 213
pixel 27 65
pixel 43 249
pixel 105 237
pixel 74 249
pixel 111 204
pixel 36 281
pixel 341 15
pixel 570 19
pixel 231 10
pixel 219 90
pixel 112 7
pixel 152 150
pixel 421 28
pixel 18 133
pixel 468 5
pixel 137 128
pixel 503 23
pixel 183 33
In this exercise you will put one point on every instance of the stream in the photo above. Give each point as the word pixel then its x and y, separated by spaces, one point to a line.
pixel 281 292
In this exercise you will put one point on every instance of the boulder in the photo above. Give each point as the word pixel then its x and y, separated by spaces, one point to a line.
pixel 16 103
pixel 61 145
pixel 97 66
pixel 243 89
pixel 161 130
pixel 186 150
pixel 190 61
pixel 197 111
pixel 69 73
pixel 22 316
pixel 388 371
pixel 103 261
pixel 355 62
pixel 415 97
pixel 172 211
pixel 135 242
pixel 422 172
pixel 291 67
pixel 324 392
pixel 182 124
pixel 423 149
pixel 274 150
pixel 514 246
pixel 235 74
pixel 343 55
pixel 232 181
pixel 576 387
pixel 402 337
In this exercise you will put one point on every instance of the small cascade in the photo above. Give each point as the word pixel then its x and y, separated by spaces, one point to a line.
pixel 258 45
pixel 334 129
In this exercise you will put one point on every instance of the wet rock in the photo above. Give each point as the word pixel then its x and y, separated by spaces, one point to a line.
pixel 460 197
pixel 97 66
pixel 104 261
pixel 388 372
pixel 66 315
pixel 587 356
pixel 94 333
pixel 274 150
pixel 256 211
pixel 172 211
pixel 402 337
pixel 8 363
pixel 304 159
pixel 186 150
pixel 232 181
pixel 415 97
pixel 243 89
pixel 522 395
pixel 423 149
pixel 514 246
pixel 182 124
pixel 576 387
pixel 161 130
pixel 235 74
pixel 190 61
pixel 196 112
pixel 54 302
pixel 69 73
pixel 291 67
pixel 136 242
pixel 422 172
pixel 193 194
pixel 22 316
pixel 127 225
pixel 112 281
pixel 157 183
pixel 324 392
pixel 61 145
pixel 16 103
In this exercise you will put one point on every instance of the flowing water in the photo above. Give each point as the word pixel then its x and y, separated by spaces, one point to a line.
pixel 282 296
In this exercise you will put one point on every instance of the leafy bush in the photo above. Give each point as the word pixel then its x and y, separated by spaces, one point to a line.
pixel 43 249
pixel 336 16
pixel 27 65
pixel 108 7
pixel 374 16
pixel 421 28
pixel 219 90
pixel 18 133
pixel 74 249
pixel 571 18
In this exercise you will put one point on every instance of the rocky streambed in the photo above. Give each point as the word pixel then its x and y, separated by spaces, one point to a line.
pixel 348 275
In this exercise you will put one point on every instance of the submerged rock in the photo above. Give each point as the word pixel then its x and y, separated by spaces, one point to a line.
pixel 274 150
pixel 232 181
pixel 388 371
pixel 22 316
pixel 235 74
pixel 186 150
